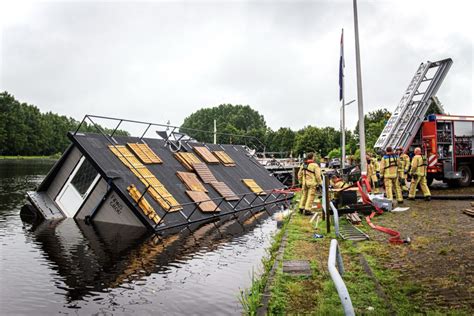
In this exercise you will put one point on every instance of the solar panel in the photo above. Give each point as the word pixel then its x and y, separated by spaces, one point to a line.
pixel 145 153
pixel 206 154
pixel 204 172
pixel 146 208
pixel 224 158
pixel 200 197
pixel 253 186
pixel 223 189
pixel 191 181
pixel 187 159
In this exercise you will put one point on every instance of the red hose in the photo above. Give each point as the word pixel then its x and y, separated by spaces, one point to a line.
pixel 286 192
pixel 395 239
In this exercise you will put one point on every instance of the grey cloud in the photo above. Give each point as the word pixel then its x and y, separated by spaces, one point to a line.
pixel 160 60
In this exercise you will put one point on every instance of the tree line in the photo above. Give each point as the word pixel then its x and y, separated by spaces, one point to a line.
pixel 25 131
pixel 242 125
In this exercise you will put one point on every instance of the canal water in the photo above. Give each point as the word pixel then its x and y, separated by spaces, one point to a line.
pixel 67 267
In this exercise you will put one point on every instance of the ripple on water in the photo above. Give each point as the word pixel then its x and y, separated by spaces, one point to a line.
pixel 65 267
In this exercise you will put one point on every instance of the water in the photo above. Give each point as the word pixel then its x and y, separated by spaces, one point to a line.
pixel 67 267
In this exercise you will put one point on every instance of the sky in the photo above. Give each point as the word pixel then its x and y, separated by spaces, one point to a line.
pixel 160 61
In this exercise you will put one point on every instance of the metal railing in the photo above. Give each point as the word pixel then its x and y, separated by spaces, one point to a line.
pixel 336 270
pixel 335 218
pixel 175 130
pixel 277 195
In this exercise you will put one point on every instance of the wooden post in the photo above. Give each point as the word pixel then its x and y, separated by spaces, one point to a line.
pixel 326 203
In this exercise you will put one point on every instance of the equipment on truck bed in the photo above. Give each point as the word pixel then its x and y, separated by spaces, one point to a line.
pixel 447 141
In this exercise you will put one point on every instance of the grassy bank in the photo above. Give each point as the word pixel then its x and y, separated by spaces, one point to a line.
pixel 251 298
pixel 55 157
pixel 384 292
pixel 318 295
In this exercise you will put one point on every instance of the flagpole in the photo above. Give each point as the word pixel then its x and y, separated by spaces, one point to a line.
pixel 363 160
pixel 343 123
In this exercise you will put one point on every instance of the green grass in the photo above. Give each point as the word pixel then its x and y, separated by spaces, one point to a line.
pixel 317 295
pixel 251 298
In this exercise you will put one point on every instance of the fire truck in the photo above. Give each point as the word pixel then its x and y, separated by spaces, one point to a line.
pixel 447 140
pixel 448 145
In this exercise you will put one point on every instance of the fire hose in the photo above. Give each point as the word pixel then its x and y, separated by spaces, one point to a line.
pixel 286 192
pixel 395 239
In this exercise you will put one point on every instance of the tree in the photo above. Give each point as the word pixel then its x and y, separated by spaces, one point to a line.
pixel 335 153
pixel 317 140
pixel 24 130
pixel 280 141
pixel 374 124
pixel 436 107
pixel 235 124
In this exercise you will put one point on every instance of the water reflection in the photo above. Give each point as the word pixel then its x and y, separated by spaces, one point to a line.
pixel 68 267
pixel 17 177
pixel 98 257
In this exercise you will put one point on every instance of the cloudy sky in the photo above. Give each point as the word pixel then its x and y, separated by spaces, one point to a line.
pixel 163 60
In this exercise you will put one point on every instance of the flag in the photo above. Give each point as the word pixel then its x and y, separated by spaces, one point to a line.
pixel 341 68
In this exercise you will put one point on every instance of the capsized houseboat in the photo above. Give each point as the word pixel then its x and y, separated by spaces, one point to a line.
pixel 156 182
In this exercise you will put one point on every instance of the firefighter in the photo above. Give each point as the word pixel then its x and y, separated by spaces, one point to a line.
pixel 404 167
pixel 338 183
pixel 309 176
pixel 418 176
pixel 389 172
pixel 372 166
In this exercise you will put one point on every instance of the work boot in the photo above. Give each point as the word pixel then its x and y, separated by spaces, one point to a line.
pixel 301 210
pixel 400 202
pixel 428 198
pixel 411 198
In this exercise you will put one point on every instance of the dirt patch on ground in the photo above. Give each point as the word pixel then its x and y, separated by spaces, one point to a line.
pixel 441 255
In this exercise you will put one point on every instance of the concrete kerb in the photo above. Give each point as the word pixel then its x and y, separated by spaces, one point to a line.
pixel 263 309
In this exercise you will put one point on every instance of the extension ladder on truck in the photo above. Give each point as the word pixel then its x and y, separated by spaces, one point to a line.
pixel 405 121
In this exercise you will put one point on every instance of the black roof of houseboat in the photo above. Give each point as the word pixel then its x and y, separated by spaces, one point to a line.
pixel 96 147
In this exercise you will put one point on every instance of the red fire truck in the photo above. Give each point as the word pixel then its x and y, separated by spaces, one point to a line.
pixel 448 144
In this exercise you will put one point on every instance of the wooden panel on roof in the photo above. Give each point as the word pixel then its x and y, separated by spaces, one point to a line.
pixel 206 204
pixel 146 208
pixel 142 172
pixel 187 159
pixel 145 153
pixel 191 181
pixel 126 156
pixel 253 186
pixel 223 189
pixel 204 172
pixel 157 190
pixel 224 158
pixel 161 195
pixel 206 154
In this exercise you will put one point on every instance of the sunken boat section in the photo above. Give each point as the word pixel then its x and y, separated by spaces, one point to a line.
pixel 154 183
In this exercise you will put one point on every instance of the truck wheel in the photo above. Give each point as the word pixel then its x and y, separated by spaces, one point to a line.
pixel 466 176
